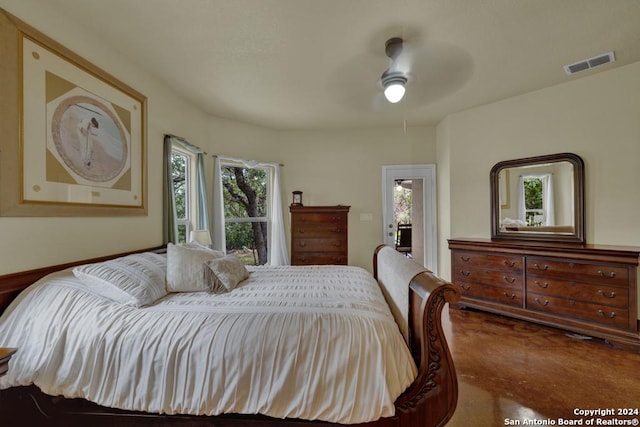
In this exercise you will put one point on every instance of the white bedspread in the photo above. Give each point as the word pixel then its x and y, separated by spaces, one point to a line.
pixel 294 342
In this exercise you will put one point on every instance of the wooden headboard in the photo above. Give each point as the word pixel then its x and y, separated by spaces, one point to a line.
pixel 12 284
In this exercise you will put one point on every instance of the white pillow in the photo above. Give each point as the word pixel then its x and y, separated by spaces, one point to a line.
pixel 224 274
pixel 136 280
pixel 185 267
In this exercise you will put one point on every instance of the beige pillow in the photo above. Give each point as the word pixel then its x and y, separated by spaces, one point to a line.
pixel 186 268
pixel 136 280
pixel 224 274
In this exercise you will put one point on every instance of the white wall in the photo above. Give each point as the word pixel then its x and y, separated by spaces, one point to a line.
pixel 35 242
pixel 345 167
pixel 596 117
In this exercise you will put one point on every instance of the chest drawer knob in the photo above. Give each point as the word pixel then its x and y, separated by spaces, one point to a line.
pixel 465 273
pixel 511 296
pixel 608 276
pixel 509 279
pixel 509 263
pixel 611 295
pixel 465 258
pixel 465 287
pixel 544 285
pixel 609 316
pixel 544 304
pixel 539 267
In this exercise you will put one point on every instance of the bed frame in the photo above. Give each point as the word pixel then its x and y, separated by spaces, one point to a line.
pixel 429 401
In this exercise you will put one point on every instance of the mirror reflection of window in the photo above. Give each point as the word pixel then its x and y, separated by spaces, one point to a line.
pixel 535 200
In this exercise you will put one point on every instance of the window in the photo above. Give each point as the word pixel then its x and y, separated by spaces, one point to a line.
pixel 538 200
pixel 247 205
pixel 245 195
pixel 183 190
pixel 534 212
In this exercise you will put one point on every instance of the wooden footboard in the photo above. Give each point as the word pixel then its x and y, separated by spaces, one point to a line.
pixel 429 401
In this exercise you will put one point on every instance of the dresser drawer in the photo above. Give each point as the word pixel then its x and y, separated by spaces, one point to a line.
pixel 320 217
pixel 501 279
pixel 320 229
pixel 467 260
pixel 318 258
pixel 319 245
pixel 490 293
pixel 608 295
pixel 605 274
pixel 599 313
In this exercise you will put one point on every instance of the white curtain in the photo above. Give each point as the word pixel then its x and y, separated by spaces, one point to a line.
pixel 218 238
pixel 521 204
pixel 547 200
pixel 277 243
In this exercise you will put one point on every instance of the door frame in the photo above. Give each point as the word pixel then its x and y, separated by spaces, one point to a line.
pixel 426 172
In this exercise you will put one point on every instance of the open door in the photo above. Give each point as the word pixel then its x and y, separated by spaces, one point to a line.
pixel 409 212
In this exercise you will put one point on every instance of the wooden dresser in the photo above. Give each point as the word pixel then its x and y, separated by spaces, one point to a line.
pixel 319 235
pixel 588 289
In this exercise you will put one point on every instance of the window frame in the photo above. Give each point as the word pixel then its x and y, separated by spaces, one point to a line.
pixel 536 211
pixel 268 201
pixel 190 191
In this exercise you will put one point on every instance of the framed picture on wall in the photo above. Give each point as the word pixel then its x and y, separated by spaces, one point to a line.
pixel 80 149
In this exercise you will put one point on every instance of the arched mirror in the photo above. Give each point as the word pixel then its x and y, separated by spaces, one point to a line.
pixel 538 198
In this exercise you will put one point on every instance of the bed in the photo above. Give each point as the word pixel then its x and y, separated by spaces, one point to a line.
pixel 388 365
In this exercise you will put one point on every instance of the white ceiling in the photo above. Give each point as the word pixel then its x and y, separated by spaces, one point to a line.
pixel 294 64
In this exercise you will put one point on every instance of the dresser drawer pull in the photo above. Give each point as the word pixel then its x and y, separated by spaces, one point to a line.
pixel 609 316
pixel 509 263
pixel 465 273
pixel 465 258
pixel 544 304
pixel 512 296
pixel 302 244
pixel 544 285
pixel 608 276
pixel 465 287
pixel 337 244
pixel 509 279
pixel 611 295
pixel 543 268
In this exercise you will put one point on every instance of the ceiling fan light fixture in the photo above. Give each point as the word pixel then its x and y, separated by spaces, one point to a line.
pixel 394 87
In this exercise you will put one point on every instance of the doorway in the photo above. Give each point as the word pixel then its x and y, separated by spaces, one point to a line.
pixel 409 212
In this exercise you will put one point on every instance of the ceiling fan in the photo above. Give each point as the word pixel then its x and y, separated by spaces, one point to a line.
pixel 408 67
pixel 394 79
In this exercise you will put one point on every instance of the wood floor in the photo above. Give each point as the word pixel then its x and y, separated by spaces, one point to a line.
pixel 512 372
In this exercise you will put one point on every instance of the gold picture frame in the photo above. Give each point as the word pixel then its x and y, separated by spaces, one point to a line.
pixel 74 137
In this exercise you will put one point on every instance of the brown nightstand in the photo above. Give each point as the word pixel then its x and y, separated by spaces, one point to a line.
pixel 5 355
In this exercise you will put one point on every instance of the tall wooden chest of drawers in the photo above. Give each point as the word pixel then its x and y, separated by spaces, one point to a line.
pixel 319 235
pixel 589 289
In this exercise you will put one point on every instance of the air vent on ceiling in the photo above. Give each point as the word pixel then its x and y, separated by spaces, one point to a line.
pixel 605 58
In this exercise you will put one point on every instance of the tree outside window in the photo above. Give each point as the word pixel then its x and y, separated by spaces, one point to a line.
pixel 245 193
pixel 182 183
pixel 533 201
